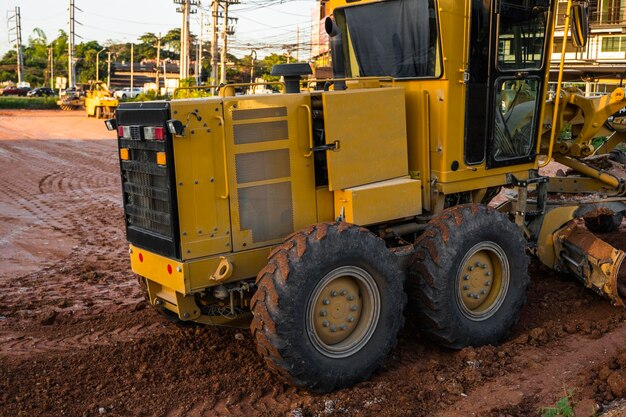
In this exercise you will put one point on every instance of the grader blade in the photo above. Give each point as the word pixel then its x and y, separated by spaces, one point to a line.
pixel 598 264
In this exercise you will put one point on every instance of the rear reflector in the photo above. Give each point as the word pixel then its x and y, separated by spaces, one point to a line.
pixel 153 133
pixel 124 154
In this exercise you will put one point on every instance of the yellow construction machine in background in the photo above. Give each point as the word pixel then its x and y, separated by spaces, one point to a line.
pixel 94 96
pixel 321 212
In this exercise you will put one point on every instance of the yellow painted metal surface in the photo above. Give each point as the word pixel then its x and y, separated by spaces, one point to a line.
pixel 267 138
pixel 370 126
pixel 187 277
pixel 204 217
pixel 552 222
pixel 325 205
pixel 380 202
pixel 155 268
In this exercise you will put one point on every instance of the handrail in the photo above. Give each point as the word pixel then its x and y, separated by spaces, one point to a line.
pixel 221 120
pixel 328 80
pixel 310 122
pixel 557 99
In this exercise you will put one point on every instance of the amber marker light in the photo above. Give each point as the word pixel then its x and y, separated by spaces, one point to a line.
pixel 161 158
pixel 124 154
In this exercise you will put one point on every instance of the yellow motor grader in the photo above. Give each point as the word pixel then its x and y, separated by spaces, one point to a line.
pixel 317 215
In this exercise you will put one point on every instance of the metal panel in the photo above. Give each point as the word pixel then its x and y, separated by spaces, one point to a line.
pixel 370 126
pixel 262 166
pixel 261 132
pixel 267 211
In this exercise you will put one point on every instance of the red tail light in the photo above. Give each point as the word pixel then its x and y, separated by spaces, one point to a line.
pixel 124 132
pixel 154 133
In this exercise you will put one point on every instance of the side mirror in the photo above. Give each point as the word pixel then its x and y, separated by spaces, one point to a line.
pixel 580 24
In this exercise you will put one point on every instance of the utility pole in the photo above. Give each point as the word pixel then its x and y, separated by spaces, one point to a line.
pixel 51 52
pixel 71 68
pixel 224 45
pixel 214 60
pixel 132 68
pixel 226 30
pixel 198 69
pixel 298 43
pixel 17 28
pixel 98 63
pixel 252 58
pixel 158 60
pixel 187 7
pixel 109 70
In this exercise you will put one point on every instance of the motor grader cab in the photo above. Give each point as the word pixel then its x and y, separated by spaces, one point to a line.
pixel 321 213
pixel 99 101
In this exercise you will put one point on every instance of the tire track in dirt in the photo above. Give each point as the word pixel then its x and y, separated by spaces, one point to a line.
pixel 558 368
pixel 32 343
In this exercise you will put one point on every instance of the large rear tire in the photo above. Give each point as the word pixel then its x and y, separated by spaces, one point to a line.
pixel 469 276
pixel 328 306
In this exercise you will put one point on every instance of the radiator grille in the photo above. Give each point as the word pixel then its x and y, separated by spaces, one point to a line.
pixel 261 166
pixel 261 132
pixel 267 211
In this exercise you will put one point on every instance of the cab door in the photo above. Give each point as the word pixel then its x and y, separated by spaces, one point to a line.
pixel 507 71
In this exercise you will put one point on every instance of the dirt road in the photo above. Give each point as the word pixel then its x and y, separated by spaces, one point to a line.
pixel 76 338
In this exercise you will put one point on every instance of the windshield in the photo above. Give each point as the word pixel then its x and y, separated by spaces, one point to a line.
pixel 395 38
pixel 521 34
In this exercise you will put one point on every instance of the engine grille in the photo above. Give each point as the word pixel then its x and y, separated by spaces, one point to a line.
pixel 149 188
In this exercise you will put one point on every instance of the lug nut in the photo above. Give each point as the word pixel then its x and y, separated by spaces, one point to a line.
pixel 350 297
pixel 470 268
pixel 343 292
pixel 326 301
pixel 470 295
pixel 488 273
pixel 466 287
pixel 484 266
pixel 186 315
pixel 333 293
pixel 325 323
pixel 350 319
pixel 354 308
pixel 487 283
pixel 343 327
pixel 333 328
pixel 477 263
pixel 466 277
pixel 323 313
pixel 483 292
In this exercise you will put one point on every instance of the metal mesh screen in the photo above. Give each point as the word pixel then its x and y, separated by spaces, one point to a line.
pixel 248 114
pixel 267 211
pixel 261 132
pixel 260 166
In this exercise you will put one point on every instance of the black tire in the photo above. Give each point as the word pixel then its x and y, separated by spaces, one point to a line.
pixel 163 312
pixel 461 303
pixel 293 284
pixel 604 223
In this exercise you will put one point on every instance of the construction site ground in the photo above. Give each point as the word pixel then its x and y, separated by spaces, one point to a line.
pixel 77 338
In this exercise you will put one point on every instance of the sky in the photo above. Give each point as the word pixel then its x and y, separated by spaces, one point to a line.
pixel 260 24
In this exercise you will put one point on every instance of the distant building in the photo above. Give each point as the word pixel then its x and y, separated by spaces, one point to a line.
pixel 603 62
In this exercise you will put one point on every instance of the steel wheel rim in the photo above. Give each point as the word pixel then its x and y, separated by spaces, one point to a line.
pixel 483 280
pixel 343 312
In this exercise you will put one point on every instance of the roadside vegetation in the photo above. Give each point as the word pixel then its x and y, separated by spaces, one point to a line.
pixel 32 103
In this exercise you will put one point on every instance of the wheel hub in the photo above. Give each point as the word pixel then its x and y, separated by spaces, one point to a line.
pixel 483 281
pixel 339 310
pixel 343 312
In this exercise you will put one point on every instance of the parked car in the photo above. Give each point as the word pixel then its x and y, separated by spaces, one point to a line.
pixel 40 92
pixel 126 93
pixel 14 91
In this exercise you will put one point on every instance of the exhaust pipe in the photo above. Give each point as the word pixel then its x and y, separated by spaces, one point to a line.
pixel 336 52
